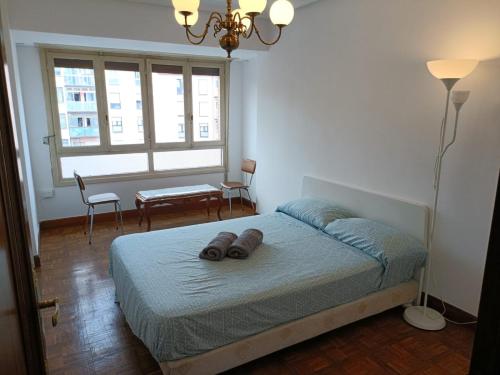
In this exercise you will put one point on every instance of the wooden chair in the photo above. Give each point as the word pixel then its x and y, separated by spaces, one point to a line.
pixel 248 168
pixel 95 200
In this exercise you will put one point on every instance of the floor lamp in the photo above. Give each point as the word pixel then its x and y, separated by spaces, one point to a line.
pixel 449 72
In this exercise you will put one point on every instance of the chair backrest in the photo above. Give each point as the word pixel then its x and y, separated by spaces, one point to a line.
pixel 81 185
pixel 249 166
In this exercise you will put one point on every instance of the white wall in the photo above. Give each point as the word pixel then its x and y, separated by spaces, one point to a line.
pixel 249 114
pixel 346 96
pixel 66 201
pixel 21 132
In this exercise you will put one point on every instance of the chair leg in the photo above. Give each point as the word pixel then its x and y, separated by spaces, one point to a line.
pixel 116 216
pixel 241 200
pixel 86 221
pixel 121 216
pixel 251 201
pixel 91 225
pixel 230 205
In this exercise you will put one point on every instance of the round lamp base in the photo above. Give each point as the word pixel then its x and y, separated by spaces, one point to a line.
pixel 430 321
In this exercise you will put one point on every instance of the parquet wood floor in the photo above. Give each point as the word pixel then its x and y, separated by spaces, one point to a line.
pixel 93 337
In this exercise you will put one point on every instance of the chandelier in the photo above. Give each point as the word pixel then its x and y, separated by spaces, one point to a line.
pixel 236 23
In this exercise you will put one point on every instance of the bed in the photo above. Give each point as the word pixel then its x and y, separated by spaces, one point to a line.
pixel 200 317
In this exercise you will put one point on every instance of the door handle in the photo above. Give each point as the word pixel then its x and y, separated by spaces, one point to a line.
pixel 51 303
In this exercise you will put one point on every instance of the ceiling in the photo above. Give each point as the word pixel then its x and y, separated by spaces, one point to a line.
pixel 218 4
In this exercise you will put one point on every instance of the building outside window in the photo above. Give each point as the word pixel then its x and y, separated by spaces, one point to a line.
pixel 60 95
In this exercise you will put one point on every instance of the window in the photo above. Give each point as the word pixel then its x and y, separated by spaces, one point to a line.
pixel 76 78
pixel 179 86
pixel 113 78
pixel 110 123
pixel 60 95
pixel 116 125
pixel 62 121
pixel 203 109
pixel 168 105
pixel 206 104
pixel 203 87
pixel 203 130
pixel 123 94
pixel 187 159
pixel 114 100
pixel 103 165
pixel 140 125
pixel 181 132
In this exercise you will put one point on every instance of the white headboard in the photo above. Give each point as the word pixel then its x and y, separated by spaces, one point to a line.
pixel 411 218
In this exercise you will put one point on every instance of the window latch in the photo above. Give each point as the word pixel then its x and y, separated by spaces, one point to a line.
pixel 46 139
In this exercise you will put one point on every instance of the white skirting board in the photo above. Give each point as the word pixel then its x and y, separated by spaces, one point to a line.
pixel 285 335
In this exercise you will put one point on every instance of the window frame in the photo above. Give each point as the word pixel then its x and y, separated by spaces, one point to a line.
pixel 130 148
pixel 145 62
pixel 222 105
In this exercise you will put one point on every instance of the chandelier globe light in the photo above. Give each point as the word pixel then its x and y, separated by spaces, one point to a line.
pixel 235 23
pixel 186 5
pixel 281 13
pixel 253 6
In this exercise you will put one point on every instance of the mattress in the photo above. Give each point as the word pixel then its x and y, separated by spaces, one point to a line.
pixel 181 306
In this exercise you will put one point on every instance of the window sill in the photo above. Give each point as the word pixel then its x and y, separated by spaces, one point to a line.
pixel 142 176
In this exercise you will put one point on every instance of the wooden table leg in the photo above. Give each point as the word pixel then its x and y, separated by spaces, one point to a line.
pixel 219 198
pixel 147 213
pixel 139 210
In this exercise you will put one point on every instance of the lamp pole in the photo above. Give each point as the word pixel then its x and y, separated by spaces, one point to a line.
pixel 449 72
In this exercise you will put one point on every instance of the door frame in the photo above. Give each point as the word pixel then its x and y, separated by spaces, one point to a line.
pixel 18 231
pixel 486 351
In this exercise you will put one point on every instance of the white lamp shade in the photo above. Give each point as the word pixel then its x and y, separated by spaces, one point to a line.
pixel 246 22
pixel 451 69
pixel 281 12
pixel 186 5
pixel 191 19
pixel 459 97
pixel 253 6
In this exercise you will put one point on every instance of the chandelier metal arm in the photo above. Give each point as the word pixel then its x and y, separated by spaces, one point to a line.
pixel 189 34
pixel 248 33
pixel 238 19
pixel 280 29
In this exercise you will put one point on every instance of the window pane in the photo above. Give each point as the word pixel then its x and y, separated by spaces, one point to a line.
pixel 102 165
pixel 123 90
pixel 186 159
pixel 76 102
pixel 168 103
pixel 206 104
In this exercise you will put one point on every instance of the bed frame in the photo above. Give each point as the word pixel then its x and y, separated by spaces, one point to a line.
pixel 406 216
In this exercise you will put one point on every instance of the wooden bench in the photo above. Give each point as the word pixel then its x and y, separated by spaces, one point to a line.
pixel 145 200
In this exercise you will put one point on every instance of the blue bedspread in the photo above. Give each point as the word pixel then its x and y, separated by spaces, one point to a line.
pixel 180 305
